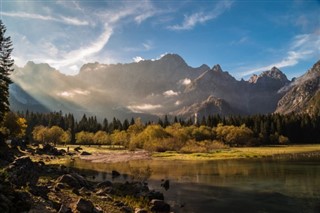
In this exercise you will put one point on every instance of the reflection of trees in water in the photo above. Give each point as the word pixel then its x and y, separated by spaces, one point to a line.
pixel 104 176
pixel 165 184
pixel 140 174
pixel 294 178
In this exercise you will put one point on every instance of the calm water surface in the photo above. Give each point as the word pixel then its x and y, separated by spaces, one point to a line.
pixel 226 185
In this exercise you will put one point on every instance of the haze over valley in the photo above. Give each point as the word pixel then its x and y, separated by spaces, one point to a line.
pixel 167 86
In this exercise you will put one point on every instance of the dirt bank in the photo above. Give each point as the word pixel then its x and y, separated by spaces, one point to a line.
pixel 117 156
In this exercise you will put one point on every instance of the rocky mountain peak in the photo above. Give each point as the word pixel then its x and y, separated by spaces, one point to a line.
pixel 173 58
pixel 217 68
pixel 275 69
pixel 41 67
pixel 273 74
pixel 204 67
pixel 88 67
pixel 253 79
pixel 315 70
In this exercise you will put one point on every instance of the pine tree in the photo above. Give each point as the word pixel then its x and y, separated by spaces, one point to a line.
pixel 6 67
pixel 125 124
pixel 166 121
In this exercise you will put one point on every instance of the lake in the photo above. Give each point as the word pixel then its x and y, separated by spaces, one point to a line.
pixel 254 185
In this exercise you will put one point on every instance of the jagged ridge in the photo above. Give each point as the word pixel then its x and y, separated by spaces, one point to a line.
pixel 164 86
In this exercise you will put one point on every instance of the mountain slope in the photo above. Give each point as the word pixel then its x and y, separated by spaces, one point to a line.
pixel 209 106
pixel 303 94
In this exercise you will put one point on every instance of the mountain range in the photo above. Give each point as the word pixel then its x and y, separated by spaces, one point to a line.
pixel 167 86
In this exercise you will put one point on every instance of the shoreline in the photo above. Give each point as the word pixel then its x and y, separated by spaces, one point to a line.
pixel 103 155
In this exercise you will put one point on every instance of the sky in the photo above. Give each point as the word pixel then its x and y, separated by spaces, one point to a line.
pixel 245 37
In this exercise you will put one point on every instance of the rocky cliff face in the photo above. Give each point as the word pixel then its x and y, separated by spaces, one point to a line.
pixel 303 94
pixel 154 88
pixel 210 106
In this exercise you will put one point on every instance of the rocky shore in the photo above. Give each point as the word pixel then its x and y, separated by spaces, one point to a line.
pixel 28 185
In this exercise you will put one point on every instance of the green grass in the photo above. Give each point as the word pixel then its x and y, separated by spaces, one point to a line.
pixel 242 152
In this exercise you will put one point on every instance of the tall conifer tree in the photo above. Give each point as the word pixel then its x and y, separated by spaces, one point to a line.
pixel 6 67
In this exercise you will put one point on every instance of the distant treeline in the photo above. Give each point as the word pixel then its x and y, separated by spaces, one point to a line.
pixel 266 129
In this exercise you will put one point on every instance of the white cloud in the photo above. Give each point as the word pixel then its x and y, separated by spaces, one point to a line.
pixel 158 58
pixel 72 93
pixel 145 46
pixel 201 17
pixel 190 21
pixel 170 93
pixel 143 107
pixel 142 17
pixel 73 21
pixel 66 94
pixel 74 68
pixel 185 81
pixel 61 19
pixel 242 40
pixel 177 103
pixel 81 92
pixel 162 55
pixel 73 57
pixel 70 4
pixel 137 12
pixel 92 48
pixel 147 10
pixel 49 48
pixel 138 59
pixel 302 47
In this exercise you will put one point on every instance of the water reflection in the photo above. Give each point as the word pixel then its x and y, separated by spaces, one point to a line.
pixel 225 186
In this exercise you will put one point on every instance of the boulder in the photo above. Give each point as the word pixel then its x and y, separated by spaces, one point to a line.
pixel 69 180
pixel 85 153
pixel 83 182
pixel 104 184
pixel 159 206
pixel 23 171
pixel 155 195
pixel 84 206
pixel 77 149
pixel 64 209
pixel 138 210
pixel 73 180
pixel 49 150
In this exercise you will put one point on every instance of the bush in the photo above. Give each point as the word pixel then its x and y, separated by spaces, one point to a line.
pixel 283 140
pixel 162 145
pixel 193 146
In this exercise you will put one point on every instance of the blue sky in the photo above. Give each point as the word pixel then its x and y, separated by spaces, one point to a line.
pixel 244 37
